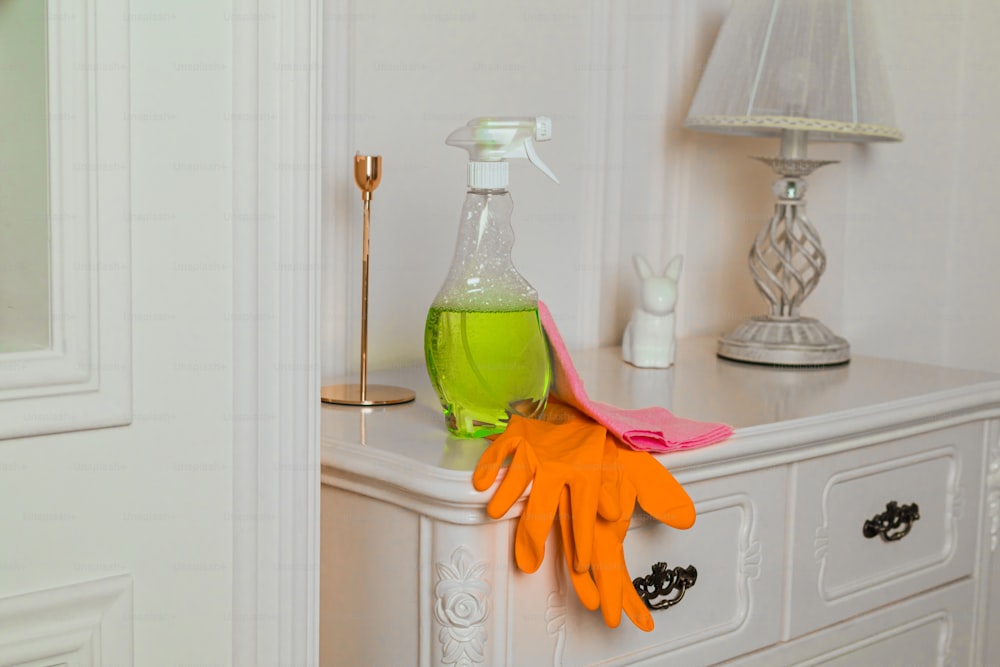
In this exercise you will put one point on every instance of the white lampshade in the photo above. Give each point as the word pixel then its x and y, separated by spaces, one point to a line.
pixel 809 65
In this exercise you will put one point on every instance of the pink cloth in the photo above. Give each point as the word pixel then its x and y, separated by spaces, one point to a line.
pixel 653 429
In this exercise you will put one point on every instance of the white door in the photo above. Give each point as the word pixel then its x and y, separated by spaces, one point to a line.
pixel 132 530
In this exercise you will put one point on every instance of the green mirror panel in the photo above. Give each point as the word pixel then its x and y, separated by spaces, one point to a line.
pixel 24 177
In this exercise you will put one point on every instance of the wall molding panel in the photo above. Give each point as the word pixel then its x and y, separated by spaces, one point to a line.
pixel 340 257
pixel 277 197
pixel 88 624
pixel 84 378
pixel 601 229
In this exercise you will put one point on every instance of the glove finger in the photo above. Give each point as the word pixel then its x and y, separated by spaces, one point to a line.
pixel 536 521
pixel 608 564
pixel 572 540
pixel 582 583
pixel 634 607
pixel 586 490
pixel 583 506
pixel 658 492
pixel 609 557
pixel 491 461
pixel 611 480
pixel 610 588
pixel 627 500
pixel 519 475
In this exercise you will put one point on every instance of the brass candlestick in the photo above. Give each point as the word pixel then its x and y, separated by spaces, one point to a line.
pixel 367 175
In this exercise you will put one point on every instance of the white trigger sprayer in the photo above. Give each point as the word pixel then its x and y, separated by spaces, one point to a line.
pixel 486 353
pixel 491 141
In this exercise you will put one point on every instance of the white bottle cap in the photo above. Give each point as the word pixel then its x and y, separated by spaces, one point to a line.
pixel 489 175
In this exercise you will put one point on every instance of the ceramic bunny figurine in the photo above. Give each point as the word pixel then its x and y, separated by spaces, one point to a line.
pixel 649 337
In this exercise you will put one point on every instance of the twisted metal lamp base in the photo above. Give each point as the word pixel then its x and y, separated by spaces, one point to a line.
pixel 786 261
pixel 775 342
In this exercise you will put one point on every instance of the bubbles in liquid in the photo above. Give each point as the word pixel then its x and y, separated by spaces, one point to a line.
pixel 485 366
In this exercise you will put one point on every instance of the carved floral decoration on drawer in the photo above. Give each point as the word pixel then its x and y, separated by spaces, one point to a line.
pixel 555 621
pixel 462 606
pixel 993 491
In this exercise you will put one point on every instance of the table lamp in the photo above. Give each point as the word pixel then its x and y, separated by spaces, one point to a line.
pixel 801 70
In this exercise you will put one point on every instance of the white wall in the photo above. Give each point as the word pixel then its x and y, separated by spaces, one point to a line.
pixel 907 227
pixel 416 72
pixel 154 499
pixel 923 280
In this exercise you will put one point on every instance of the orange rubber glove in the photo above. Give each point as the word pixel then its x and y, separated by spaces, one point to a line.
pixel 560 455
pixel 608 584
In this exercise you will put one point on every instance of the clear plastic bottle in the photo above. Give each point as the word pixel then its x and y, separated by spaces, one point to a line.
pixel 486 352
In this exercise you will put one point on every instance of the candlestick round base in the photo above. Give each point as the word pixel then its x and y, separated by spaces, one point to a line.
pixel 375 394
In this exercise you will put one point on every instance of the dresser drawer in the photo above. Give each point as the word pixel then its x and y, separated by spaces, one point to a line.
pixel 736 546
pixel 922 492
pixel 929 630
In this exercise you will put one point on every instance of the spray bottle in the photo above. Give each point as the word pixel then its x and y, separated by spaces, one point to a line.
pixel 486 352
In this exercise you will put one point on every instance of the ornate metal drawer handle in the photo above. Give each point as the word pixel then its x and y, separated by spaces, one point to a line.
pixel 663 582
pixel 892 524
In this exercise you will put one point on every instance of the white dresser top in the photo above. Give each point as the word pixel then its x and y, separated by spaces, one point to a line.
pixel 773 410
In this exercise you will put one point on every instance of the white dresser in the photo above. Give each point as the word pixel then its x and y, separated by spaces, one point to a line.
pixel 799 557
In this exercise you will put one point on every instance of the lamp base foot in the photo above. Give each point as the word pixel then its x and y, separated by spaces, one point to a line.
pixel 774 342
pixel 375 394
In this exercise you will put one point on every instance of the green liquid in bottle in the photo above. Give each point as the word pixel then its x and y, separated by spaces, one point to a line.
pixel 486 366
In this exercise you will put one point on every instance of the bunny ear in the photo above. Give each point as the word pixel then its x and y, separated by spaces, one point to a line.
pixel 642 267
pixel 673 270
